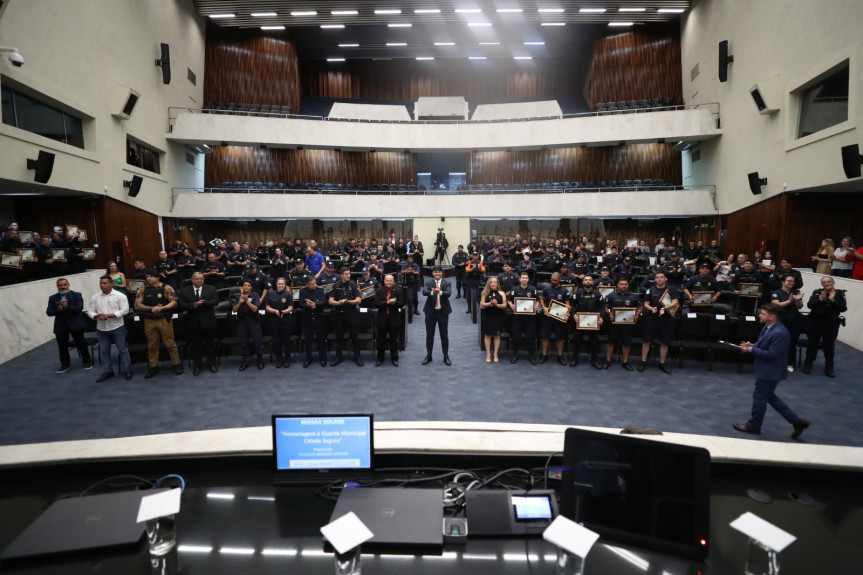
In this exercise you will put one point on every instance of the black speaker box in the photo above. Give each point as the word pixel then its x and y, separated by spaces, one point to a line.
pixel 724 60
pixel 135 186
pixel 755 183
pixel 851 161
pixel 43 165
pixel 165 63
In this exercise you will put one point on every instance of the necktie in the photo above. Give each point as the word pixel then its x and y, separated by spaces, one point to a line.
pixel 389 294
pixel 437 300
pixel 197 293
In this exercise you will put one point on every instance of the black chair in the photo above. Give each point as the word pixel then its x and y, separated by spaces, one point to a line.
pixel 692 335
pixel 721 328
pixel 747 330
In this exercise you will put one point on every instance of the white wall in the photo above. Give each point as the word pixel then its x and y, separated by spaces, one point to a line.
pixel 80 55
pixel 794 40
pixel 457 232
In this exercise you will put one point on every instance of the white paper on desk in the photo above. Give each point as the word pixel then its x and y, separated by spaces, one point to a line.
pixel 750 318
pixel 346 532
pixel 757 528
pixel 571 536
pixel 159 505
pixel 690 315
pixel 720 317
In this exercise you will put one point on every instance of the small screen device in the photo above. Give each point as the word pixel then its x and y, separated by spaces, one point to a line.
pixel 532 507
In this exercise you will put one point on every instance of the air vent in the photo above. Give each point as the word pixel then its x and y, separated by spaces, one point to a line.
pixel 696 155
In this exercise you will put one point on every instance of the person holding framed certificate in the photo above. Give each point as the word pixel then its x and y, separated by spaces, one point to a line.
pixel 550 325
pixel 702 282
pixel 623 309
pixel 493 304
pixel 660 304
pixel 522 301
pixel 587 301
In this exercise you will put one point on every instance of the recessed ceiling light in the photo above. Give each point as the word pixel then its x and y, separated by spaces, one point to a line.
pixel 523 58
pixel 444 43
pixel 620 24
pixel 509 10
pixel 388 11
pixel 534 43
pixel 632 9
pixel 479 24
pixel 349 45
pixel 218 16
pixel 272 27
pixel 468 10
pixel 591 10
pixel 344 12
pixel 477 58
pixel 489 43
pixel 335 59
pixel 550 10
pixel 332 26
pixel 425 58
pixel 671 10
pixel 427 11
pixel 304 13
pixel 262 14
pixel 396 44
pixel 553 24
pixel 399 25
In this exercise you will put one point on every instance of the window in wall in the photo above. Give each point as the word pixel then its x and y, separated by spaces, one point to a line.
pixel 30 114
pixel 142 156
pixel 825 103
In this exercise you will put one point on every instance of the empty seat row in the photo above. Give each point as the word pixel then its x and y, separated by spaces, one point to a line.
pixel 654 184
pixel 643 105
pixel 323 187
pixel 247 109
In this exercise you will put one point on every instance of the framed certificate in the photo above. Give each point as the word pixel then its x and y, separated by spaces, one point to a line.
pixel 58 255
pixel 750 290
pixel 10 260
pixel 135 285
pixel 367 292
pixel 524 306
pixel 702 298
pixel 624 315
pixel 712 258
pixel 558 311
pixel 671 310
pixel 632 243
pixel 587 321
pixel 766 262
pixel 71 230
pixel 82 236
pixel 27 255
pixel 25 237
pixel 88 254
pixel 328 288
pixel 569 287
pixel 605 291
pixel 295 291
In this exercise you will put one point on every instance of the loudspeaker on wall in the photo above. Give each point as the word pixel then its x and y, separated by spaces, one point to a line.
pixel 851 161
pixel 165 63
pixel 134 185
pixel 755 183
pixel 43 165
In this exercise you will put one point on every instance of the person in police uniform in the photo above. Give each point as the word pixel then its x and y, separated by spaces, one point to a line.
pixel 508 280
pixel 389 300
pixel 747 275
pixel 619 333
pixel 186 265
pixel 566 277
pixel 604 278
pixel 214 272
pixel 826 305
pixel 790 300
pixel 553 292
pixel 260 282
pixel 279 305
pixel 167 268
pixel 155 302
pixel 375 267
pixel 278 264
pixel 300 276
pixel 364 282
pixel 586 299
pixel 313 300
pixel 344 299
pixel 459 262
pixel 327 277
pixel 659 320
pixel 523 324
pixel 702 282
pixel 411 274
pixel 474 271
pixel 390 259
pixel 246 305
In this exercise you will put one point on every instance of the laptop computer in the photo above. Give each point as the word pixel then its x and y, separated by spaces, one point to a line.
pixel 80 523
pixel 402 520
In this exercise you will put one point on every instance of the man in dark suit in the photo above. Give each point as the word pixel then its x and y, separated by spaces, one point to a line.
pixel 770 353
pixel 66 307
pixel 437 309
pixel 199 302
pixel 390 301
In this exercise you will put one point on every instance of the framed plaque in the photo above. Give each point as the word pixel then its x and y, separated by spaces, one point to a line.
pixel 25 237
pixel 702 298
pixel 135 285
pixel 58 254
pixel 605 291
pixel 82 236
pixel 524 306
pixel 10 260
pixel 569 287
pixel 88 254
pixel 750 290
pixel 587 321
pixel 671 310
pixel 624 315
pixel 295 291
pixel 71 230
pixel 327 288
pixel 766 262
pixel 632 243
pixel 665 299
pixel 558 311
pixel 27 255
pixel 712 258
pixel 367 292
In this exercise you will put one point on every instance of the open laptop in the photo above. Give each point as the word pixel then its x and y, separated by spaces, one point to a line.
pixel 323 448
pixel 80 523
pixel 402 520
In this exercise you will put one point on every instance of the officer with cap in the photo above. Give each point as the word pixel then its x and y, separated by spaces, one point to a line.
pixel 328 276
pixel 365 282
pixel 703 282
pixel 300 276
pixel 459 262
pixel 259 281
pixel 344 299
pixel 155 302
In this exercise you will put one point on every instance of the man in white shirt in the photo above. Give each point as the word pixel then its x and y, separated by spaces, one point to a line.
pixel 108 308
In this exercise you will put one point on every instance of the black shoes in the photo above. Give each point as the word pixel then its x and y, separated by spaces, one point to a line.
pixel 64 368
pixel 468 310
pixel 336 361
pixel 574 361
pixel 307 363
pixel 151 371
pixel 214 368
pixel 799 427
pixel 597 365
pixel 665 368
pixel 395 363
pixel 104 376
pixel 323 363
pixel 514 357
pixel 88 366
pixel 746 428
pixel 807 368
pixel 626 366
pixel 531 359
pixel 280 361
pixel 828 371
pixel 260 364
pixel 244 365
pixel 542 359
pixel 358 360
pixel 446 361
pixel 427 360
pixel 378 363
pixel 128 375
pixel 178 369
pixel 196 371
pixel 642 366
pixel 560 360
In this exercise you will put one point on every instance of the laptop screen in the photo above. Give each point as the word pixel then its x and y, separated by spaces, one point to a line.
pixel 323 447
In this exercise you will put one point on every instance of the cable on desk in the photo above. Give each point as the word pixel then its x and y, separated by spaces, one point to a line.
pixel 171 476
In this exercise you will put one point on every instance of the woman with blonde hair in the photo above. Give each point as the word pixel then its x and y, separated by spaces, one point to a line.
pixel 493 303
pixel 822 257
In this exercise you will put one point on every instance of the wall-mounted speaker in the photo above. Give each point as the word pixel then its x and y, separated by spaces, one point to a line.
pixel 165 63
pixel 43 165
pixel 755 183
pixel 724 61
pixel 134 185
pixel 767 95
pixel 851 160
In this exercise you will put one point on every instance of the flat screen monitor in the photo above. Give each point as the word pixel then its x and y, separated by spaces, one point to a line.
pixel 638 491
pixel 323 448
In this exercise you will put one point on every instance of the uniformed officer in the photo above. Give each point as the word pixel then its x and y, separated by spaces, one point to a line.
pixel 581 269
pixel 327 277
pixel 245 307
pixel 344 299
pixel 313 301
pixel 364 282
pixel 278 264
pixel 747 275
pixel 260 282
pixel 703 282
pixel 237 261
pixel 604 278
pixel 674 270
pixel 523 324
pixel 550 293
pixel 279 305
pixel 507 280
pixel 214 272
pixel 776 279
pixel 474 271
pixel 566 277
pixel 621 333
pixel 790 299
pixel 624 270
pixel 155 302
pixel 167 269
pixel 659 319
pixel 300 276
pixel 375 267
pixel 586 299
pixel 411 274
pixel 459 262
pixel 826 304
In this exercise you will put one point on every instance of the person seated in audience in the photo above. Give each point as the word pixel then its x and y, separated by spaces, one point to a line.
pixel 335 251
pixel 375 266
pixel 624 269
pixel 167 269
pixel 186 266
pixel 327 276
pixel 262 252
pixel 777 279
pixel 214 271
pixel 722 272
pixel 737 266
pixel 278 264
pixel 300 276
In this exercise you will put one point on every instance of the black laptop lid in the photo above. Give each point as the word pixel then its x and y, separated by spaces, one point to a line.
pixel 322 448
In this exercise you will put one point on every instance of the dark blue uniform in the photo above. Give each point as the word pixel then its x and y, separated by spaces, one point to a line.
pixel 345 316
pixel 792 319
pixel 281 325
pixel 657 326
pixel 313 322
pixel 249 327
pixel 549 324
pixel 459 261
pixel 586 301
pixel 619 332
pixel 823 328
pixel 523 324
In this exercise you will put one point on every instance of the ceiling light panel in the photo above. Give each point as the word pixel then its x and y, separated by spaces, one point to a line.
pixel 262 14
pixel 344 12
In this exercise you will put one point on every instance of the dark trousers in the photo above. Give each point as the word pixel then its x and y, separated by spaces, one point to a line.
pixel 433 319
pixel 63 346
pixel 794 325
pixel 249 331
pixel 412 296
pixel 592 340
pixel 202 342
pixel 345 320
pixel 388 327
pixel 822 333
pixel 471 293
pixel 281 329
pixel 523 324
pixel 314 330
pixel 764 395
pixel 460 276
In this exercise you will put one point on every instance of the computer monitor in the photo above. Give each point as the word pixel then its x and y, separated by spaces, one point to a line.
pixel 638 491
pixel 323 448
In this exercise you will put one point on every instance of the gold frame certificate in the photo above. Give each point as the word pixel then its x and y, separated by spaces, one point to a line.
pixel 82 236
pixel 524 306
pixel 750 290
pixel 295 292
pixel 624 315
pixel 25 237
pixel 27 254
pixel 367 292
pixel 10 260
pixel 665 299
pixel 135 285
pixel 587 321
pixel 58 254
pixel 702 298
pixel 88 254
pixel 605 291
pixel 558 311
pixel 71 230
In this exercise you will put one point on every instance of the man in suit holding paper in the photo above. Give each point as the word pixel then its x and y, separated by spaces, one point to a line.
pixel 437 309
pixel 199 302
pixel 770 354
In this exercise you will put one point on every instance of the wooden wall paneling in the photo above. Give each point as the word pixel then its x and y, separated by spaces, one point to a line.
pixel 814 216
pixel 141 227
pixel 761 222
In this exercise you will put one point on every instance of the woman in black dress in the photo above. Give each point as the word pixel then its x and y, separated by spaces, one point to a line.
pixel 493 303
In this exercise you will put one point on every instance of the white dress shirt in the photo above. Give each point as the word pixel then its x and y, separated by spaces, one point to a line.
pixel 112 303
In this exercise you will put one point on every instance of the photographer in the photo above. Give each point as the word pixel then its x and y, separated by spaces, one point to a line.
pixel 442 245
